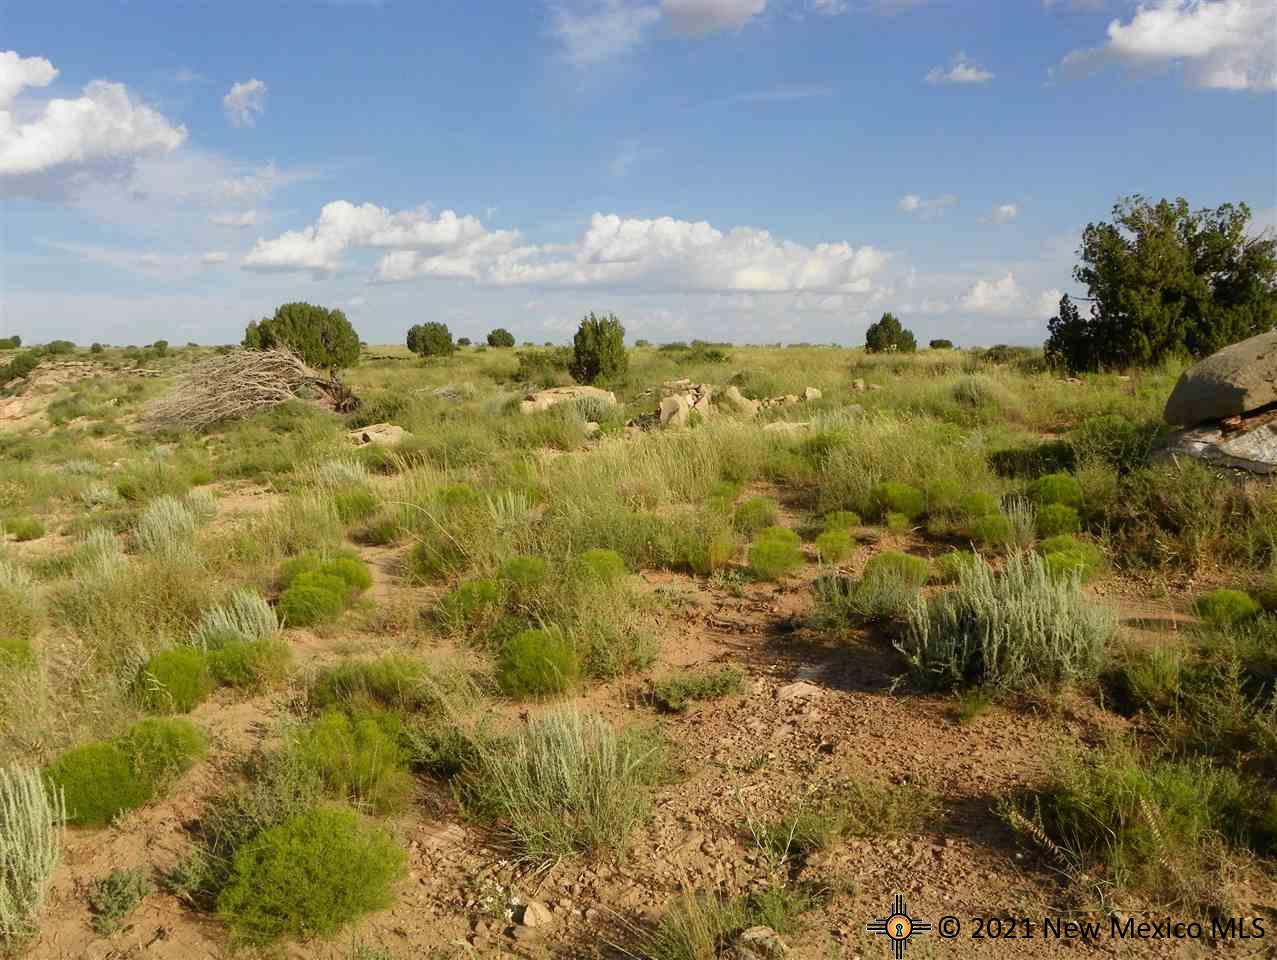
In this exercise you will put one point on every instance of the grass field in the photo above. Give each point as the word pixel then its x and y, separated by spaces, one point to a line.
pixel 514 684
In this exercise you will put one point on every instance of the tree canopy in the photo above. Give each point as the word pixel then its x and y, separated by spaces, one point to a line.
pixel 432 339
pixel 501 337
pixel 1165 280
pixel 598 349
pixel 888 335
pixel 323 338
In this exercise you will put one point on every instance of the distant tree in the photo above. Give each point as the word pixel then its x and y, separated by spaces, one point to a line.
pixel 10 343
pixel 323 338
pixel 464 341
pixel 159 348
pixel 432 339
pixel 941 344
pixel 888 336
pixel 96 348
pixel 501 337
pixel 642 343
pixel 598 349
pixel 1165 280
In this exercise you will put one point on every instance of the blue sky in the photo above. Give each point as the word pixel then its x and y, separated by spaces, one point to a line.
pixel 749 170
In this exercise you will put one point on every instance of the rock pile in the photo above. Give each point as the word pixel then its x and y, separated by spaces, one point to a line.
pixel 545 399
pixel 1227 404
pixel 682 397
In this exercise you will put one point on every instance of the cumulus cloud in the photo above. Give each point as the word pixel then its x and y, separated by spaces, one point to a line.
pixel 962 72
pixel 661 254
pixel 599 31
pixel 1222 44
pixel 232 218
pixel 245 102
pixel 699 17
pixel 1002 213
pixel 916 205
pixel 102 130
pixel 992 296
pixel 1048 303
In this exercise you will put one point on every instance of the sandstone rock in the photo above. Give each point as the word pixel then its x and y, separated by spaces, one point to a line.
pixel 380 434
pixel 545 399
pixel 536 914
pixel 810 394
pixel 1254 450
pixel 787 426
pixel 858 385
pixel 760 943
pixel 799 690
pixel 738 403
pixel 1239 378
pixel 703 405
pixel 674 411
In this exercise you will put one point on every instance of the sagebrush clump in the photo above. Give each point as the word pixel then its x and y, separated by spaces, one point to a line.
pixel 31 817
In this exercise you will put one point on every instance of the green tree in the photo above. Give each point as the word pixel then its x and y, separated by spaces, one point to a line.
pixel 501 337
pixel 1165 280
pixel 432 339
pixel 323 338
pixel 941 344
pixel 598 349
pixel 888 336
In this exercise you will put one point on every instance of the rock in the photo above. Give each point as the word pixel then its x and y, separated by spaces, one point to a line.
pixel 703 406
pixel 545 399
pixel 536 914
pixel 799 690
pixel 787 426
pixel 858 386
pixel 1239 378
pixel 738 403
pixel 810 394
pixel 760 943
pixel 674 411
pixel 1254 450
pixel 381 434
pixel 789 399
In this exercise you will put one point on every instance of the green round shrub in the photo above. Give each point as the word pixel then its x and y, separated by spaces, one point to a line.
pixel 840 520
pixel 993 530
pixel 976 505
pixel 98 783
pixel 250 665
pixel 525 573
pixel 357 758
pixel 1056 518
pixel 351 569
pixel 174 681
pixel 354 505
pixel 309 877
pixel 393 681
pixel 294 567
pixel 163 748
pixel 23 528
pixel 897 523
pixel 780 534
pixel 1056 488
pixel 1225 607
pixel 775 553
pixel 943 496
pixel 710 550
pixel 537 663
pixel 601 566
pixel 754 514
pixel 834 546
pixel 470 604
pixel 435 556
pixel 948 568
pixel 892 497
pixel 903 567
pixel 1065 555
pixel 313 598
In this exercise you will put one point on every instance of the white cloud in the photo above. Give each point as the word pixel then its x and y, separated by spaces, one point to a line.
pixel 830 8
pixel 783 93
pixel 992 296
pixel 146 262
pixel 245 102
pixel 231 218
pixel 1223 44
pixel 601 30
pixel 915 205
pixel 61 139
pixel 699 17
pixel 963 71
pixel 1002 213
pixel 214 257
pixel 1048 303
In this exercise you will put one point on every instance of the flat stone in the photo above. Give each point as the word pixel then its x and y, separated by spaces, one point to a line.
pixel 536 914
pixel 799 690
pixel 1253 450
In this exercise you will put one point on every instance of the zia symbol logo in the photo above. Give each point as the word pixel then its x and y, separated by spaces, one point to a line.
pixel 898 926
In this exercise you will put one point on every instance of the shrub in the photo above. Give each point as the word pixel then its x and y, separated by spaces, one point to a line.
pixel 755 514
pixel 1066 556
pixel 600 566
pixel 322 338
pixel 113 897
pixel 163 748
pixel 1007 630
pixel 1226 607
pixel 244 618
pixel 250 665
pixel 1056 488
pixel 430 340
pixel 309 876
pixel 1055 519
pixel 775 553
pixel 501 337
pixel 675 694
pixel 890 582
pixel 903 567
pixel 20 608
pixel 840 520
pixel 525 573
pixel 940 344
pixel 568 783
pixel 166 529
pixel 892 497
pixel 358 758
pixel 993 531
pixel 393 682
pixel 353 505
pixel 897 523
pixel 31 816
pixel 973 506
pixel 1114 440
pixel 174 681
pixel 472 605
pixel 834 546
pixel 598 349
pixel 537 663
pixel 344 565
pixel 888 336
pixel 23 528
pixel 946 569
pixel 710 549
pixel 313 598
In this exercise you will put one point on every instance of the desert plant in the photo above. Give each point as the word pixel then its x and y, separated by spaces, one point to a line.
pixel 20 607
pixel 1056 488
pixel 244 617
pixel 892 497
pixel 249 665
pixel 598 349
pixel 357 757
pixel 538 663
pixel 1066 556
pixel 888 336
pixel 113 897
pixel 755 514
pixel 309 876
pixel 834 546
pixel 31 817
pixel 1226 607
pixel 23 528
pixel 166 529
pixel 600 565
pixel 674 694
pixel 775 553
pixel 430 339
pixel 312 598
pixel 1007 629
pixel 392 682
pixel 471 606
pixel 1057 518
pixel 174 681
pixel 840 520
pixel 322 338
pixel 501 337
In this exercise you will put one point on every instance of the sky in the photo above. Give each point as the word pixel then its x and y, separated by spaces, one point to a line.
pixel 755 171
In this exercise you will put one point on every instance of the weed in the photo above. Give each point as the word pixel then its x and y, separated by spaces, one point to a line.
pixel 754 515
pixel 250 665
pixel 174 681
pixel 1226 607
pixel 166 529
pixel 675 694
pixel 358 758
pixel 834 546
pixel 538 663
pixel 245 617
pixel 23 528
pixel 472 606
pixel 113 897
pixel 775 553
pixel 893 497
pixel 313 598
pixel 600 566
pixel 31 816
pixel 392 682
pixel 1056 488
pixel 1057 518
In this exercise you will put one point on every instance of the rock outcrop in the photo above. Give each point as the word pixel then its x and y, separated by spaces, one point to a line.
pixel 1238 379
pixel 683 397
pixel 378 434
pixel 545 399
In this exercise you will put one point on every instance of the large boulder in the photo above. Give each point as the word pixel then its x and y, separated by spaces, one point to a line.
pixel 1253 448
pixel 674 411
pixel 738 403
pixel 1239 378
pixel 545 399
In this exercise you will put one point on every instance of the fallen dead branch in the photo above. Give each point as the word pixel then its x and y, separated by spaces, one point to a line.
pixel 234 385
